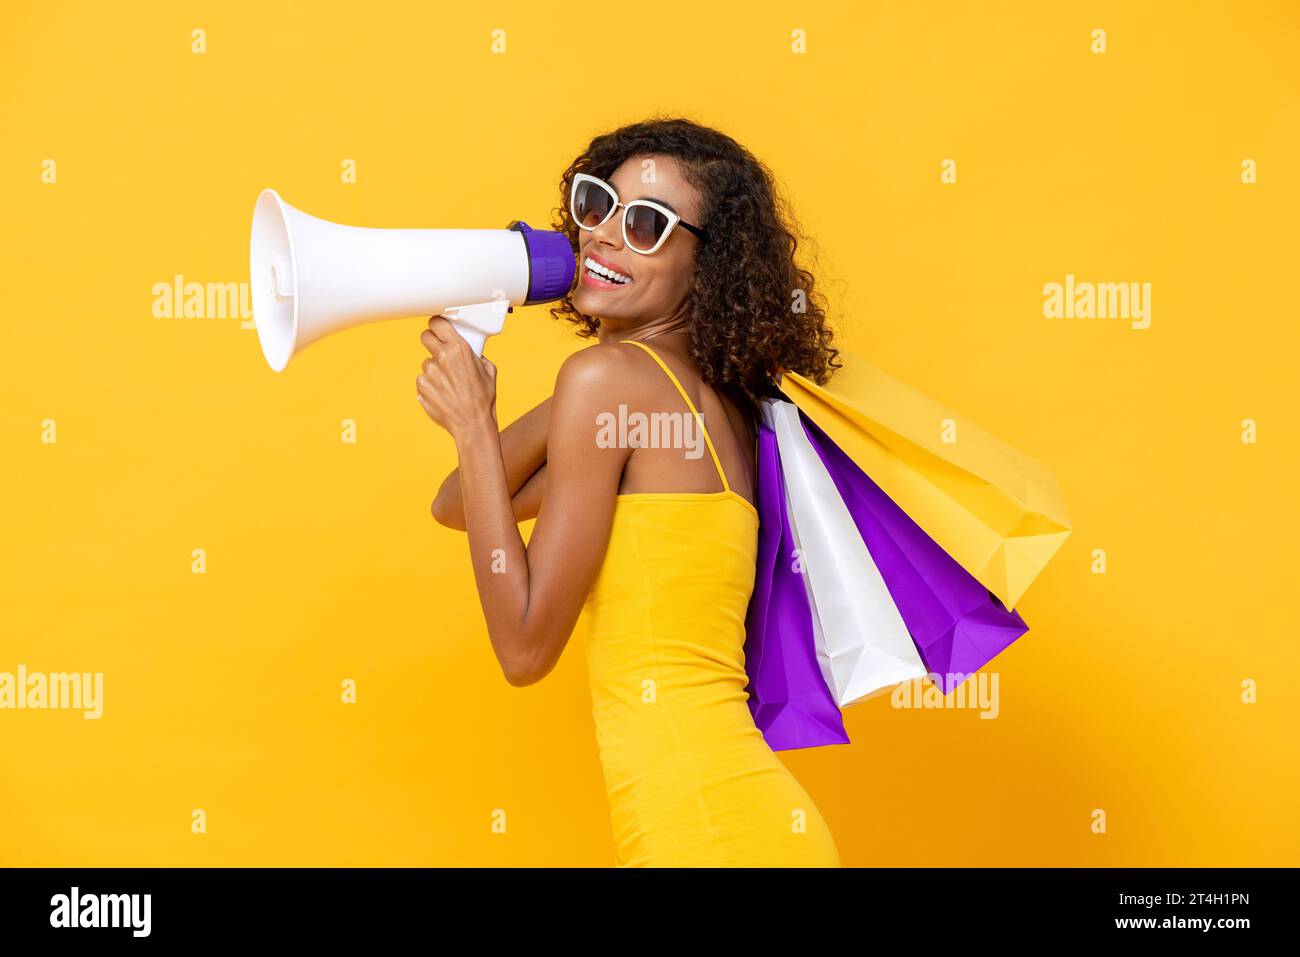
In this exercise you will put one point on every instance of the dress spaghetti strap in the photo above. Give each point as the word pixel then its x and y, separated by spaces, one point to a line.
pixel 717 463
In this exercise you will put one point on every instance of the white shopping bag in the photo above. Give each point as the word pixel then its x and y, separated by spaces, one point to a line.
pixel 862 643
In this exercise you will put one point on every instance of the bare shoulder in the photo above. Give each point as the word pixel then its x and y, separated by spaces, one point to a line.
pixel 613 370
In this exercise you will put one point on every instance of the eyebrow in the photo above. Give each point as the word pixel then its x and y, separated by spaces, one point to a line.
pixel 661 202
pixel 653 199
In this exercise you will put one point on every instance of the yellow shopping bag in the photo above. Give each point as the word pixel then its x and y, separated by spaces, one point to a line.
pixel 996 511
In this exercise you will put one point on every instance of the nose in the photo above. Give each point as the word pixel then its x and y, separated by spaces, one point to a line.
pixel 610 232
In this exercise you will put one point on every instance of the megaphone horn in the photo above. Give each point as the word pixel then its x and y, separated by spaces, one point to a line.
pixel 310 277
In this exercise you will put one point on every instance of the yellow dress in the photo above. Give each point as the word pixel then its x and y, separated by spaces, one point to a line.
pixel 691 781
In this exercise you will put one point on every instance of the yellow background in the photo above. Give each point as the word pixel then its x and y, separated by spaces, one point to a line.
pixel 223 690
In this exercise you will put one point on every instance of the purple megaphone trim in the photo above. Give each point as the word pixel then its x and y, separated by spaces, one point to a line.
pixel 552 266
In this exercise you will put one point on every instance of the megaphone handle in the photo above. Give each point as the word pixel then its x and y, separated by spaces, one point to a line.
pixel 478 321
pixel 476 339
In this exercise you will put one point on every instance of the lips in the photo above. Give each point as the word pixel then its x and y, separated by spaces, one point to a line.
pixel 603 273
pixel 608 264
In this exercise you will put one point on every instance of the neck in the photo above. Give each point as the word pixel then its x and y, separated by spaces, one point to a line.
pixel 612 330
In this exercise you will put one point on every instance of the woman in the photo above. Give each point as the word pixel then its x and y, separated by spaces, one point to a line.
pixel 688 281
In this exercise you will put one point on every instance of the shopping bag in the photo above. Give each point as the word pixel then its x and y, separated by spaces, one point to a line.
pixel 788 696
pixel 863 644
pixel 994 510
pixel 956 623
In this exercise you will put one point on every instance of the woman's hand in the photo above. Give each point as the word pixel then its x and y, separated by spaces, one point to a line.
pixel 523 450
pixel 532 597
pixel 456 388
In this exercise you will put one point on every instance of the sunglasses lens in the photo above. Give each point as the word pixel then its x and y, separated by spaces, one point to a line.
pixel 591 205
pixel 644 227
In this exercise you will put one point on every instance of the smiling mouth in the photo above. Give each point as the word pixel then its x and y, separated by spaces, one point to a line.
pixel 603 274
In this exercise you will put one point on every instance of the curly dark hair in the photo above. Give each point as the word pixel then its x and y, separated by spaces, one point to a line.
pixel 752 310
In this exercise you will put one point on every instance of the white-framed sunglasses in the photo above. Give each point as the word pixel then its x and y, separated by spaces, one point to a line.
pixel 646 224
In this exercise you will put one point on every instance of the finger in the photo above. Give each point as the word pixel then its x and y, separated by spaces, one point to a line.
pixel 462 344
pixel 441 327
pixel 427 365
pixel 426 392
pixel 431 342
pixel 433 385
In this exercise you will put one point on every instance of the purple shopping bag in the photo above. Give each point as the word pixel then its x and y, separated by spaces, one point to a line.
pixel 957 624
pixel 788 696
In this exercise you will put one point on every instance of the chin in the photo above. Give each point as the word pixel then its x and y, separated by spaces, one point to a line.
pixel 594 304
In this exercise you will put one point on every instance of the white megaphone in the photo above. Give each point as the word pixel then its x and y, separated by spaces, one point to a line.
pixel 310 277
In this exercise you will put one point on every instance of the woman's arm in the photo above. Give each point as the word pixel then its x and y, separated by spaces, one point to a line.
pixel 523 450
pixel 532 596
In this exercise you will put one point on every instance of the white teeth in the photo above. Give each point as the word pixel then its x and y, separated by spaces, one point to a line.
pixel 604 272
